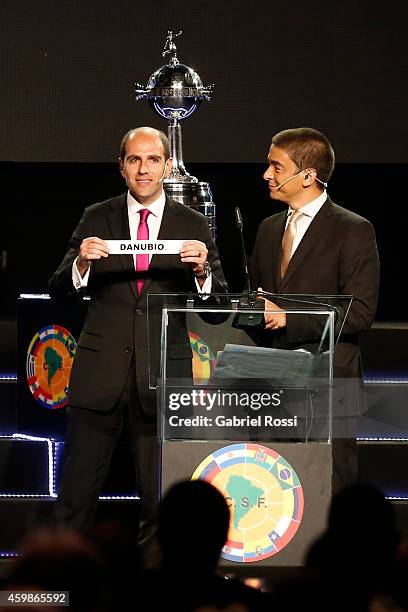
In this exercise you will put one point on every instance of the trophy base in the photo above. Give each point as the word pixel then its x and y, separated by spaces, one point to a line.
pixel 197 196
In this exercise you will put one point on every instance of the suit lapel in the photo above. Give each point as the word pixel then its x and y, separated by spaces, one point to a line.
pixel 169 220
pixel 308 242
pixel 118 221
pixel 277 249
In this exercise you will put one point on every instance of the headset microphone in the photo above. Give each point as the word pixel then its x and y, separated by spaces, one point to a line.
pixel 288 179
pixel 164 172
pixel 295 175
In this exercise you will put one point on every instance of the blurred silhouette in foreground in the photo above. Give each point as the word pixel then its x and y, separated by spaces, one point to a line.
pixel 61 560
pixel 352 558
pixel 193 523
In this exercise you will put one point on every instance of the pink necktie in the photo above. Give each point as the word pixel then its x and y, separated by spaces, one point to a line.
pixel 142 261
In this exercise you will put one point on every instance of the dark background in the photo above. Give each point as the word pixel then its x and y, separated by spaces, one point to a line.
pixel 69 68
pixel 66 97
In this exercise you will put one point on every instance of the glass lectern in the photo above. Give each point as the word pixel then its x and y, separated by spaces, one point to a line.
pixel 250 410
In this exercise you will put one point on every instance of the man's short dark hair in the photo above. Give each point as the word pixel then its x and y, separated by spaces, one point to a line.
pixel 307 148
pixel 160 134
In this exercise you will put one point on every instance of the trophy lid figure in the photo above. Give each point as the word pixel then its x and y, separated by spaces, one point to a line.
pixel 170 47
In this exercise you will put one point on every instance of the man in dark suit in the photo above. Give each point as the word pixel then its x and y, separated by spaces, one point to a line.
pixel 316 247
pixel 109 385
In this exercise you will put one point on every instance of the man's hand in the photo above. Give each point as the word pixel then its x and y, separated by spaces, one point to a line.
pixel 195 252
pixel 273 320
pixel 91 248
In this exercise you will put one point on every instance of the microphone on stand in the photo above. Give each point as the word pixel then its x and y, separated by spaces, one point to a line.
pixel 240 226
pixel 247 319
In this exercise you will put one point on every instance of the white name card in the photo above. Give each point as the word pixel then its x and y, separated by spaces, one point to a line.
pixel 144 247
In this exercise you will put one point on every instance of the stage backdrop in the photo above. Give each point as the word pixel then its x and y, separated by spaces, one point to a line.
pixel 68 72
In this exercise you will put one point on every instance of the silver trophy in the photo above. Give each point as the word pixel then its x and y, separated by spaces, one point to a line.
pixel 175 91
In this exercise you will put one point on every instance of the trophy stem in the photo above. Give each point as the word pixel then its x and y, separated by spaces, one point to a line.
pixel 179 172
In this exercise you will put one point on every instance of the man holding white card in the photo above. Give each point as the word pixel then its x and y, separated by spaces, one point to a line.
pixel 109 385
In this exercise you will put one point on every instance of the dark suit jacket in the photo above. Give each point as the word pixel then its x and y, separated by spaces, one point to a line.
pixel 337 256
pixel 117 321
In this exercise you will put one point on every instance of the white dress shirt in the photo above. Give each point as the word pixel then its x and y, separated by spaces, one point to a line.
pixel 154 220
pixel 309 211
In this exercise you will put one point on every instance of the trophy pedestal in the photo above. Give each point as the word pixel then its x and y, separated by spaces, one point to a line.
pixel 197 196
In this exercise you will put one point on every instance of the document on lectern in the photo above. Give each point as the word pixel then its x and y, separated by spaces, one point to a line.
pixel 238 361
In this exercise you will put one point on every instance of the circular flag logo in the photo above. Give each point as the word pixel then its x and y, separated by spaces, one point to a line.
pixel 49 361
pixel 265 498
pixel 203 358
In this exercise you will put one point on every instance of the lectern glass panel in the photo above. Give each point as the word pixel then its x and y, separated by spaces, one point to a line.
pixel 223 376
